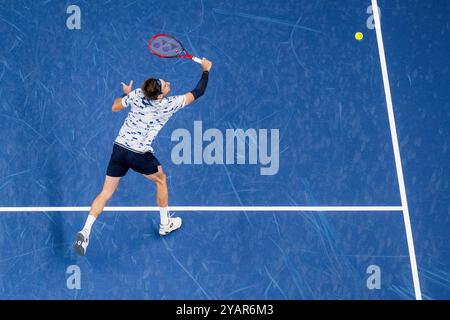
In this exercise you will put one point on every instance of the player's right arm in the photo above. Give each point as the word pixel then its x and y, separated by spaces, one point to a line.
pixel 201 85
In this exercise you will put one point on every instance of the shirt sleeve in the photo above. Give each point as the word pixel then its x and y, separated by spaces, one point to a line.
pixel 176 103
pixel 129 98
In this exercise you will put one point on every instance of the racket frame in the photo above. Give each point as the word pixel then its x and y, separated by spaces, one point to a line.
pixel 185 55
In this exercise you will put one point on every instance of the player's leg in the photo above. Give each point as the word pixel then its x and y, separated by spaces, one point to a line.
pixel 109 187
pixel 162 194
pixel 117 168
pixel 167 223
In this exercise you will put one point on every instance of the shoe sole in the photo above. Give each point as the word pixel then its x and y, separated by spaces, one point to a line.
pixel 78 247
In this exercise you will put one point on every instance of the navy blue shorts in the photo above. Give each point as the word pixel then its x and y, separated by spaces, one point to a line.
pixel 123 159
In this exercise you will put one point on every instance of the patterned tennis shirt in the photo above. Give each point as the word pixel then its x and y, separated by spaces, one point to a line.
pixel 145 119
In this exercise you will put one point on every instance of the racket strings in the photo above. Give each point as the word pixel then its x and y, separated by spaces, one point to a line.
pixel 166 46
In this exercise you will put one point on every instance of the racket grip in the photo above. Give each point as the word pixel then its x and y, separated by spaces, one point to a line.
pixel 198 60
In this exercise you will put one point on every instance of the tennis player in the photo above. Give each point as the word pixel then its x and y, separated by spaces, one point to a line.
pixel 150 109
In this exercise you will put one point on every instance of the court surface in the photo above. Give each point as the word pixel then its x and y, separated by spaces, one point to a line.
pixel 338 188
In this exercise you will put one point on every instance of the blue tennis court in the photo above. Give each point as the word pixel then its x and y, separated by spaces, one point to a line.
pixel 315 166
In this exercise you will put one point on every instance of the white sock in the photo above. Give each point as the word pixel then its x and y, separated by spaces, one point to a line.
pixel 88 225
pixel 164 215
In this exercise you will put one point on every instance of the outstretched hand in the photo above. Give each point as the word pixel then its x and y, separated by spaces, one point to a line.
pixel 127 88
pixel 206 65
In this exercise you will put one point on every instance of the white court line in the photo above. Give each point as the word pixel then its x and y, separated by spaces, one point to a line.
pixel 398 161
pixel 212 208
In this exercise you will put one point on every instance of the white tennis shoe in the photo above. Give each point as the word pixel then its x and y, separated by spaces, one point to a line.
pixel 174 224
pixel 81 243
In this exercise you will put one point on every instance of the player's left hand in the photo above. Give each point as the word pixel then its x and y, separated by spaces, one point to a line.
pixel 127 88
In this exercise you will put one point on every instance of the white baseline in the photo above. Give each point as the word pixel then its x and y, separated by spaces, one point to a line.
pixel 213 208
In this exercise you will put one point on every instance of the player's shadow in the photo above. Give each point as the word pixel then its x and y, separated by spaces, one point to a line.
pixel 58 236
pixel 59 232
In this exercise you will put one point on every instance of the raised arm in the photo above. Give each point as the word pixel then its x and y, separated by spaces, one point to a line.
pixel 117 105
pixel 201 85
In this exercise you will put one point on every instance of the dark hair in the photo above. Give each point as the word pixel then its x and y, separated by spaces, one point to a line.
pixel 151 88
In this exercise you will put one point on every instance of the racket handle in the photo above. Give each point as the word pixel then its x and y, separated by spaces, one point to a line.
pixel 198 60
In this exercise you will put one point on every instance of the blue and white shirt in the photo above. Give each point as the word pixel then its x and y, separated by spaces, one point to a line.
pixel 145 119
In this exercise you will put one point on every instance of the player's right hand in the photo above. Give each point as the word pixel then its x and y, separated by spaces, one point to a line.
pixel 206 64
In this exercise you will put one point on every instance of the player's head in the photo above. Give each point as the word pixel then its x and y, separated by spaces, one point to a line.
pixel 154 89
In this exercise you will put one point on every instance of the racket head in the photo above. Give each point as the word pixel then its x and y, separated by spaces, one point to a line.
pixel 167 46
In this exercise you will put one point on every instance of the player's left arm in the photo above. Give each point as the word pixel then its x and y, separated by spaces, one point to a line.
pixel 118 105
pixel 201 85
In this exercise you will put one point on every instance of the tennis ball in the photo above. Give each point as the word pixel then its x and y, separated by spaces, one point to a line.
pixel 359 36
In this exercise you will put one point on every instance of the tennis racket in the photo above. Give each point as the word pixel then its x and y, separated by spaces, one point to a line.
pixel 167 46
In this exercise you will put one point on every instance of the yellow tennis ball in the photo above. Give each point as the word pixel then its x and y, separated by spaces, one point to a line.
pixel 359 36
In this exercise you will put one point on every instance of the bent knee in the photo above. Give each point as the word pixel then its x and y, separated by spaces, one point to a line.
pixel 159 178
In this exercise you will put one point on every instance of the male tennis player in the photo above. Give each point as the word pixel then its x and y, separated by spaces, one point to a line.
pixel 150 109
